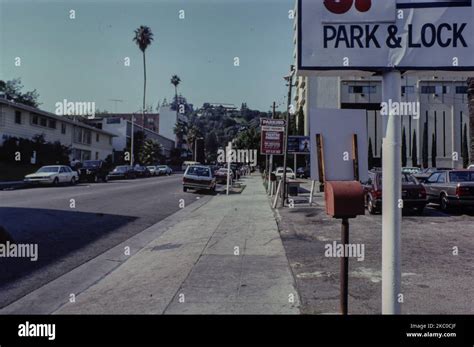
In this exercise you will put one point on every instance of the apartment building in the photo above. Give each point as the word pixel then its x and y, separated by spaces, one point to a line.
pixel 86 142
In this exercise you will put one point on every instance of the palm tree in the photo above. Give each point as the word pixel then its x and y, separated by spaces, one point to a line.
pixel 143 38
pixel 175 80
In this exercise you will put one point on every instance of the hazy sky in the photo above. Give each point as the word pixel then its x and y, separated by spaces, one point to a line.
pixel 82 59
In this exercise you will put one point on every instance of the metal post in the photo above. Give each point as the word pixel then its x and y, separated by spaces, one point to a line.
pixel 344 267
pixel 271 155
pixel 285 139
pixel 132 139
pixel 296 163
pixel 229 157
pixel 391 195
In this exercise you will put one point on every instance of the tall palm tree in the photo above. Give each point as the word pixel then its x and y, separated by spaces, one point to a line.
pixel 143 38
pixel 175 80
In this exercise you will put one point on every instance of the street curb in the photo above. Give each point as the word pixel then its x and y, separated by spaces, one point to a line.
pixel 57 293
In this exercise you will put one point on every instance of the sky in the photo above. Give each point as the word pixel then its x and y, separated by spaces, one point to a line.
pixel 82 59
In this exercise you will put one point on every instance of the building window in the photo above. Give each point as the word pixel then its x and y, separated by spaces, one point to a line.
pixel 82 136
pixel 52 124
pixel 96 155
pixel 408 89
pixel 434 90
pixel 97 137
pixel 63 128
pixel 43 121
pixel 81 155
pixel 362 89
pixel 34 119
pixel 17 117
pixel 461 90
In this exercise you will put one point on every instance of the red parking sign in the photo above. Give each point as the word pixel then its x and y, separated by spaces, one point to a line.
pixel 272 131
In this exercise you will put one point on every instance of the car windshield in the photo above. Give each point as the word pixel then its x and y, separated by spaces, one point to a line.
pixel 151 167
pixel 461 176
pixel 407 178
pixel 161 167
pixel 198 171
pixel 91 163
pixel 120 169
pixel 48 169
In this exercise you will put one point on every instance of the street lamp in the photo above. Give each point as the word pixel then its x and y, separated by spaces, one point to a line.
pixel 289 79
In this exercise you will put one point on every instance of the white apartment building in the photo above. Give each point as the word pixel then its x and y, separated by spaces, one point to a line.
pixel 86 142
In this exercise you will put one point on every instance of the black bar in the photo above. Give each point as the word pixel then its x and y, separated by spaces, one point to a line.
pixel 344 267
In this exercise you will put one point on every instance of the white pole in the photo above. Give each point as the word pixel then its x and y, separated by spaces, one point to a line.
pixel 391 197
pixel 229 157
pixel 131 154
pixel 270 168
pixel 312 193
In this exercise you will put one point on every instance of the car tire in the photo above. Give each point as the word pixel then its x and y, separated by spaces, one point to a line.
pixel 419 211
pixel 370 205
pixel 185 189
pixel 96 179
pixel 444 203
pixel 105 179
pixel 55 181
pixel 73 181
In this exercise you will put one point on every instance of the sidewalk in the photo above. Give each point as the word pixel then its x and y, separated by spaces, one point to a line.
pixel 226 257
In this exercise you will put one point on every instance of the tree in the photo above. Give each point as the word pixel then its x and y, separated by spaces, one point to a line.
pixel 414 151
pixel 193 134
pixel 175 80
pixel 433 151
pixel 292 125
pixel 143 38
pixel 404 148
pixel 424 148
pixel 138 141
pixel 211 146
pixel 465 148
pixel 371 155
pixel 151 152
pixel 12 90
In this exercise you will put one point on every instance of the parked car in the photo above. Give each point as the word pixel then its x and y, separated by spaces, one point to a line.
pixel 221 175
pixel 122 172
pixel 411 170
pixel 426 173
pixel 471 167
pixel 289 173
pixel 303 172
pixel 93 171
pixel 413 193
pixel 53 174
pixel 188 163
pixel 451 188
pixel 199 177
pixel 164 170
pixel 141 171
pixel 153 170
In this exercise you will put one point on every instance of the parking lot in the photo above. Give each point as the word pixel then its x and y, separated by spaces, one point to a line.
pixel 437 260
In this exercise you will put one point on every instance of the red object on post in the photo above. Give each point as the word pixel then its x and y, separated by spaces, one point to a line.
pixel 344 199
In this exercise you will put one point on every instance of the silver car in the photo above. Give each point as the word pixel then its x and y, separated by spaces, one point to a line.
pixel 451 188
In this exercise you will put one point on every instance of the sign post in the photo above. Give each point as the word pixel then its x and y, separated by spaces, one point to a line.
pixel 391 196
pixel 391 37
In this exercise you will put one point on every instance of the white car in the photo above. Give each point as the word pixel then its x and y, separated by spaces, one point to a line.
pixel 289 173
pixel 153 170
pixel 164 170
pixel 53 174
pixel 471 167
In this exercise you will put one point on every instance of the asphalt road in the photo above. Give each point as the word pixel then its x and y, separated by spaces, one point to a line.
pixel 104 215
pixel 437 260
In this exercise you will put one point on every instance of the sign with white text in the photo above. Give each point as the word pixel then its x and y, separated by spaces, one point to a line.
pixel 272 133
pixel 420 35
